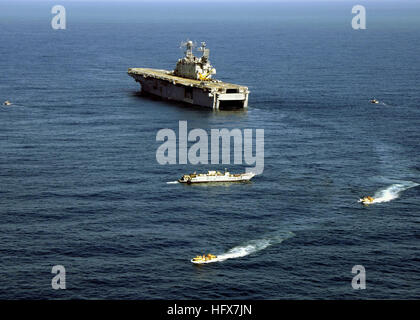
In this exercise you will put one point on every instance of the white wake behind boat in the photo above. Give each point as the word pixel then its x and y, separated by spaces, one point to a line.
pixel 215 176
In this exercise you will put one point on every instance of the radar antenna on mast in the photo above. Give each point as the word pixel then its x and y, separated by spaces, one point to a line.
pixel 203 46
pixel 189 45
pixel 204 50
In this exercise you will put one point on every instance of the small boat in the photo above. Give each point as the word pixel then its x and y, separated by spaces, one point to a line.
pixel 374 101
pixel 366 200
pixel 204 259
pixel 7 103
pixel 215 176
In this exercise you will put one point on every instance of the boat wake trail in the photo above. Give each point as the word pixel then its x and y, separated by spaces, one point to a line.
pixel 252 246
pixel 393 191
pixel 172 182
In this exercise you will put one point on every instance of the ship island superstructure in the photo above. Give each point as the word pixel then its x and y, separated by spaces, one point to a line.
pixel 191 82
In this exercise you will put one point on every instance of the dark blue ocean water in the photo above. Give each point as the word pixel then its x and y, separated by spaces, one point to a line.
pixel 80 185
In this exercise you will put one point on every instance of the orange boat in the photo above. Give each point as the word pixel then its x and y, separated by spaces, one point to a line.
pixel 204 259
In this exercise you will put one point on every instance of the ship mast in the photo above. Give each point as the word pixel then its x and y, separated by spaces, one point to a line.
pixel 189 49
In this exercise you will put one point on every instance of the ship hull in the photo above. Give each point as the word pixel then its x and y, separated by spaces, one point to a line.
pixel 208 94
pixel 204 262
pixel 216 179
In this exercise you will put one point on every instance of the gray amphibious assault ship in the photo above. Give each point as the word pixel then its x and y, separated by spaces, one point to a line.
pixel 192 82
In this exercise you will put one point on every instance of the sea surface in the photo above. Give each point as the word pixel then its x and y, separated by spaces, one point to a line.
pixel 80 185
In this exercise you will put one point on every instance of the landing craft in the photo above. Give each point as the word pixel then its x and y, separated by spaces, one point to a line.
pixel 215 176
